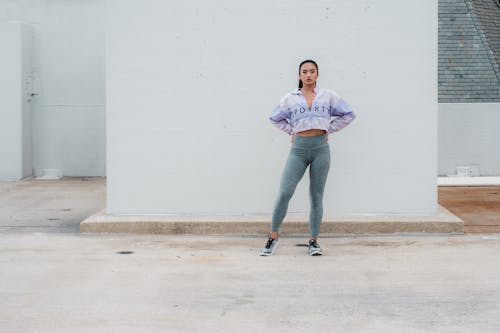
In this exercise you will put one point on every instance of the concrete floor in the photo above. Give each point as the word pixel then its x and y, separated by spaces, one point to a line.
pixel 55 279
pixel 60 282
pixel 50 205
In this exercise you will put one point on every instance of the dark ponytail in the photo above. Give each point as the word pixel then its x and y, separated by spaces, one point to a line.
pixel 305 62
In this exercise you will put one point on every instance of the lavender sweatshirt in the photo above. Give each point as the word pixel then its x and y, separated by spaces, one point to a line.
pixel 328 112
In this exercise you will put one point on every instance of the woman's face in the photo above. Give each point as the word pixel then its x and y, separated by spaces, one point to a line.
pixel 308 74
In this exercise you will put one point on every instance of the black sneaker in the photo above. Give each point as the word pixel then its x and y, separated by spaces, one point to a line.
pixel 314 249
pixel 270 246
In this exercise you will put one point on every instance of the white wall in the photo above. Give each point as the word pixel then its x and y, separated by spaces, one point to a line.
pixel 190 86
pixel 469 135
pixel 15 108
pixel 69 116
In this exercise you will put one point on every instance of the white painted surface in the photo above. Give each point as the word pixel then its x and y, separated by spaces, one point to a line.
pixel 27 99
pixel 469 135
pixel 15 108
pixel 70 139
pixel 69 128
pixel 190 87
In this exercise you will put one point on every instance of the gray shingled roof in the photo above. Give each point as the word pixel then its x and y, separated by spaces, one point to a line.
pixel 487 13
pixel 469 51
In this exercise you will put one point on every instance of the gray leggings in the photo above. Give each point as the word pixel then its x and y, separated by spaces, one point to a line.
pixel 312 151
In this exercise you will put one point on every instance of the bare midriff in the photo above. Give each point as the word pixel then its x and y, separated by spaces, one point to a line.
pixel 311 132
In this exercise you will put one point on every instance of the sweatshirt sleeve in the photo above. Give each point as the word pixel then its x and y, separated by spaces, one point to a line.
pixel 342 112
pixel 280 117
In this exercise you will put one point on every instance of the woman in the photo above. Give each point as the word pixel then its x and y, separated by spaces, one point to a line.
pixel 309 115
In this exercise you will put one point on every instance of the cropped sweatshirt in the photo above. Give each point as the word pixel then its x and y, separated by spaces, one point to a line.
pixel 328 112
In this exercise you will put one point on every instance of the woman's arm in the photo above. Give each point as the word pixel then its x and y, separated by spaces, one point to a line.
pixel 342 112
pixel 280 118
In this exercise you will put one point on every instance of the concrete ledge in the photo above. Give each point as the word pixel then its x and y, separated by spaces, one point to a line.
pixel 469 181
pixel 442 222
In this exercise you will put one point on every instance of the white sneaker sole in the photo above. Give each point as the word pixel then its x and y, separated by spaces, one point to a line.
pixel 316 253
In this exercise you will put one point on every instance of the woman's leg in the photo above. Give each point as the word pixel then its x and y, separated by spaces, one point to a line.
pixel 294 170
pixel 318 173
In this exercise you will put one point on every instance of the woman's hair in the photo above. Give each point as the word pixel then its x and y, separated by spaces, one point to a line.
pixel 305 62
